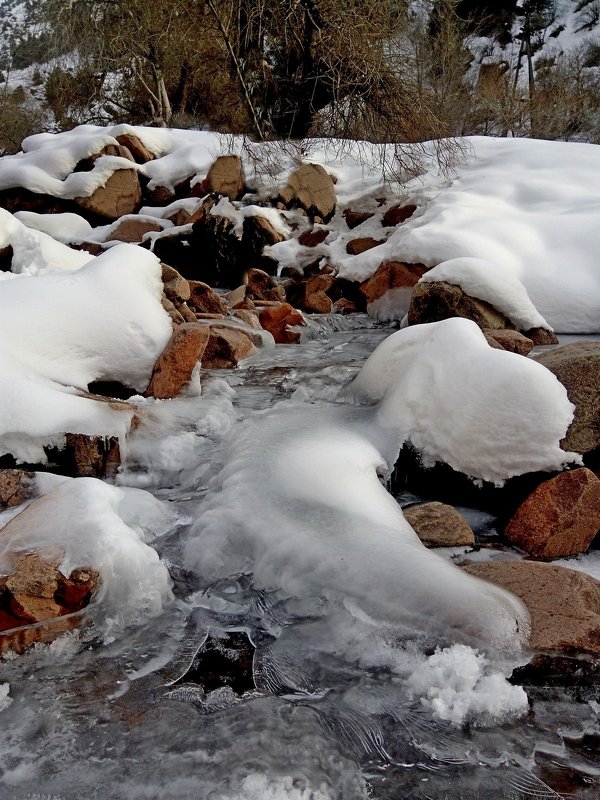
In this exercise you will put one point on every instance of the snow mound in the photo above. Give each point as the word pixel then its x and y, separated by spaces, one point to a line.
pixel 489 282
pixel 456 683
pixel 64 228
pixel 104 528
pixel 487 413
pixel 103 322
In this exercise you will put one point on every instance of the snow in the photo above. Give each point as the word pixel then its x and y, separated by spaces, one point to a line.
pixel 5 700
pixel 487 413
pixel 457 684
pixel 489 282
pixel 64 228
pixel 103 322
pixel 90 524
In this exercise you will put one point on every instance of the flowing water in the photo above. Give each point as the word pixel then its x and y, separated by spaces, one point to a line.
pixel 307 697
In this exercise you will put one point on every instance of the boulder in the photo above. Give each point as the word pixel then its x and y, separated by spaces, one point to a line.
pixel 172 311
pixel 392 275
pixel 357 246
pixel 249 318
pixel 120 195
pixel 560 518
pixel 15 487
pixel 205 300
pixel 159 196
pixel 564 604
pixel 85 456
pixel 577 367
pixel 311 295
pixel 226 347
pixel 225 177
pixel 6 257
pixel 311 188
pixel 258 232
pixel 175 285
pixel 138 150
pixel 175 365
pixel 439 525
pixel 397 214
pixel 355 218
pixel 261 286
pixel 432 302
pixel 277 319
pixel 131 229
pixel 541 336
pixel 313 237
pixel 513 341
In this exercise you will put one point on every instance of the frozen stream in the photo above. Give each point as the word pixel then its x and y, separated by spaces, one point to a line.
pixel 333 703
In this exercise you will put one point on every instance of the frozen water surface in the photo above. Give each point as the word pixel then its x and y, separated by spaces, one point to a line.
pixel 364 683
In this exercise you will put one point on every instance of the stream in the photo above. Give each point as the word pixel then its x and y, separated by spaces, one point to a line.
pixel 237 691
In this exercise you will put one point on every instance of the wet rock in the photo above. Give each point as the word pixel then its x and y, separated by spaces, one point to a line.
pixel 278 319
pixel 205 300
pixel 432 302
pixel 356 218
pixel 138 150
pixel 392 275
pixel 225 659
pixel 120 195
pixel 564 604
pixel 398 214
pixel 225 177
pixel 357 246
pixel 15 487
pixel 131 229
pixel 226 347
pixel 249 318
pixel 311 295
pixel 560 518
pixel 577 367
pixel 311 188
pixel 86 456
pixel 314 237
pixel 513 341
pixel 261 286
pixel 175 365
pixel 439 525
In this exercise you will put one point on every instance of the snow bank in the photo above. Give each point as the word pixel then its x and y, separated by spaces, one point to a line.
pixel 487 413
pixel 91 524
pixel 489 282
pixel 64 228
pixel 458 686
pixel 59 332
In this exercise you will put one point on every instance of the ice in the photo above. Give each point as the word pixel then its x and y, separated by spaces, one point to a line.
pixel 5 700
pixel 487 413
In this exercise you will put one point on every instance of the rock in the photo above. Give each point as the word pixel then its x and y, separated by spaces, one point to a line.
pixel 314 237
pixel 258 233
pixel 432 302
pixel 131 229
pixel 138 150
pixel 513 341
pixel 560 518
pixel 205 300
pixel 249 318
pixel 120 195
pixel 277 319
pixel 236 298
pixel 344 306
pixel 223 258
pixel 311 295
pixel 86 456
pixel 225 177
pixel 172 311
pixel 176 287
pixel 392 275
pixel 186 312
pixel 357 246
pixel 226 347
pixel 261 286
pixel 6 257
pixel 311 188
pixel 159 196
pixel 577 367
pixel 439 525
pixel 32 587
pixel 564 604
pixel 116 150
pixel 541 336
pixel 397 214
pixel 175 365
pixel 15 487
pixel 355 218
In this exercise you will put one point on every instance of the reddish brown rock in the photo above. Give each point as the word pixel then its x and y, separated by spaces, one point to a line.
pixel 397 214
pixel 226 347
pixel 513 341
pixel 439 525
pixel 176 286
pixel 261 286
pixel 15 487
pixel 432 302
pixel 175 365
pixel 312 189
pixel 6 257
pixel 313 237
pixel 277 320
pixel 131 229
pixel 249 318
pixel 311 295
pixel 205 300
pixel 258 233
pixel 577 367
pixel 136 147
pixel 541 336
pixel 120 195
pixel 172 311
pixel 160 196
pixel 564 604
pixel 225 177
pixel 85 456
pixel 345 306
pixel 357 246
pixel 236 298
pixel 355 218
pixel 560 518
pixel 391 275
